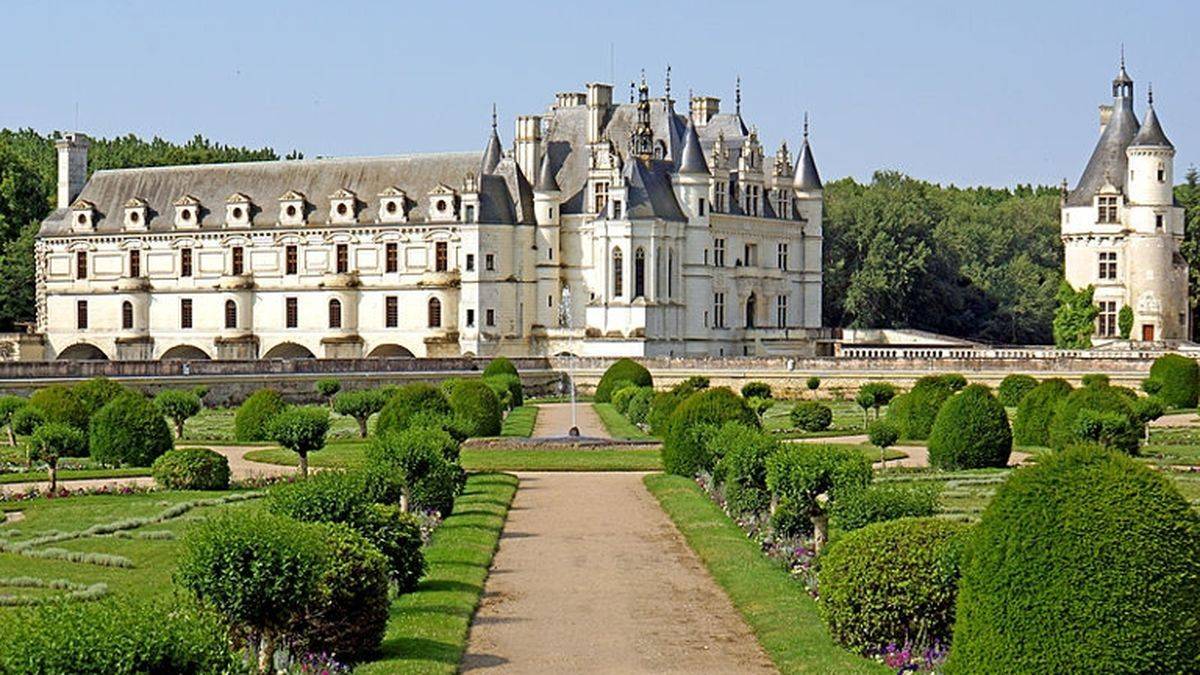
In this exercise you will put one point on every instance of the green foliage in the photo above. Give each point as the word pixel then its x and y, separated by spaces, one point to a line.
pixel 1075 318
pixel 178 406
pixel 1036 411
pixel 300 429
pixel 360 405
pixel 971 432
pixel 500 366
pixel 191 469
pixel 955 381
pixel 622 397
pixel 1094 380
pixel 1065 432
pixel 756 390
pixel 1125 321
pixel 892 582
pixel 1148 409
pixel 690 385
pixel 407 401
pixel 327 387
pixel 684 451
pixel 638 410
pixel 1179 380
pixel 61 404
pixel 253 418
pixel 662 406
pixel 9 406
pixel 798 476
pixel 880 502
pixel 742 465
pixel 26 420
pixel 398 536
pixel 508 390
pixel 813 383
pixel 55 440
pixel 97 392
pixel 811 416
pixel 326 497
pixel 1107 429
pixel 913 413
pixel 1013 389
pixel 883 434
pixel 129 431
pixel 624 369
pixel 1086 559
pixel 1151 386
pixel 476 409
pixel 418 464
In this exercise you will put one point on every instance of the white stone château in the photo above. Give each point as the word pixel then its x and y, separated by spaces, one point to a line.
pixel 608 229
pixel 1121 227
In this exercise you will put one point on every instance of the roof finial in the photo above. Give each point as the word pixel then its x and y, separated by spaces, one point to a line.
pixel 805 126
pixel 1150 93
pixel 1122 56
pixel 493 115
pixel 690 100
pixel 737 96
pixel 632 89
pixel 668 85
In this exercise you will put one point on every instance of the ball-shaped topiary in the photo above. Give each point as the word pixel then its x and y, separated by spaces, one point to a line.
pixel 1035 412
pixel 27 420
pixel 1179 380
pixel 61 404
pixel 811 416
pixel 685 450
pixel 1088 557
pixel 913 413
pixel 971 432
pixel 97 392
pixel 891 583
pixel 1064 431
pixel 129 431
pixel 476 408
pixel 360 404
pixel 407 401
pixel 416 467
pixel 500 366
pixel 178 405
pixel 253 418
pixel 624 369
pixel 1014 387
pixel 191 469
pixel 756 390
pixel 1095 380
pixel 507 388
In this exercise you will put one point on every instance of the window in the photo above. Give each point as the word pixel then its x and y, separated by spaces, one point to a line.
pixel 343 258
pixel 718 252
pixel 470 211
pixel 291 313
pixel 618 273
pixel 490 317
pixel 1106 209
pixel 1106 322
pixel 783 204
pixel 391 258
pixel 440 255
pixel 639 273
pixel 127 315
pixel 81 265
pixel 470 262
pixel 600 193
pixel 753 194
pixel 618 209
pixel 185 262
pixel 489 262
pixel 185 313
pixel 781 311
pixel 292 254
pixel 781 257
pixel 1108 266
pixel 549 253
pixel 230 314
pixel 135 264
pixel 752 311
pixel 81 314
pixel 750 255
pixel 435 313
pixel 335 313
pixel 391 311
pixel 550 301
pixel 670 273
pixel 239 260
pixel 1162 173
pixel 720 190
pixel 1159 222
pixel 700 210
pixel 718 310
pixel 470 318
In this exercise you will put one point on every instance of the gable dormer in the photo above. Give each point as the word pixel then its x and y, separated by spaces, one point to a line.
pixel 469 200
pixel 393 206
pixel 291 208
pixel 187 212
pixel 237 210
pixel 343 207
pixel 1108 203
pixel 83 216
pixel 443 204
pixel 137 214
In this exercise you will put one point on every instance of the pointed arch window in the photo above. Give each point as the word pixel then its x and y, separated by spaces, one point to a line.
pixel 127 315
pixel 335 313
pixel 618 273
pixel 435 313
pixel 639 273
pixel 231 314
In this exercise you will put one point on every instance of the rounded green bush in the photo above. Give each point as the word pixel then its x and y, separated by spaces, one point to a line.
pixel 252 421
pixel 1087 559
pixel 1014 387
pixel 756 390
pixel 881 502
pixel 129 431
pixel 883 434
pixel 971 432
pixel 1064 431
pixel 416 398
pixel 1179 379
pixel 691 385
pixel 61 404
pixel 98 392
pixel 799 474
pixel 742 467
pixel 360 404
pixel 684 450
pixel 476 408
pixel 624 369
pixel 398 536
pixel 191 469
pixel 890 583
pixel 420 461
pixel 324 497
pixel 813 383
pixel 1035 412
pixel 811 416
pixel 507 388
pixel 662 406
pixel 1094 380
pixel 301 429
pixel 955 381
pixel 500 366
pixel 622 397
pixel 638 410
pixel 27 420
pixel 327 387
pixel 913 413
pixel 178 405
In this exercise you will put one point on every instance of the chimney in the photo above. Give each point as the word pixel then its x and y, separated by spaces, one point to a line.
pixel 529 145
pixel 72 167
pixel 1106 113
pixel 599 100
pixel 703 109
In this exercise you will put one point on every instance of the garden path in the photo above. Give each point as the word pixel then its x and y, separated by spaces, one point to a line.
pixel 591 576
pixel 554 421
pixel 1187 419
pixel 917 456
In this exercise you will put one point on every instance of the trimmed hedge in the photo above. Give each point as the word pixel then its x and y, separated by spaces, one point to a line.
pixel 1178 378
pixel 913 413
pixel 61 404
pixel 624 369
pixel 891 583
pixel 638 410
pixel 881 502
pixel 685 451
pixel 1014 387
pixel 742 465
pixel 811 416
pixel 500 366
pixel 191 469
pixel 508 389
pixel 1064 430
pixel 1031 426
pixel 971 432
pixel 1086 560
pixel 662 406
pixel 475 407
pixel 98 392
pixel 129 431
pixel 419 460
pixel 398 536
pixel 417 398
pixel 252 421
pixel 799 474
pixel 621 398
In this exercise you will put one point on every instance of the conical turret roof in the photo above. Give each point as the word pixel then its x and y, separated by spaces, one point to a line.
pixel 692 157
pixel 807 176
pixel 1151 133
pixel 493 153
pixel 545 177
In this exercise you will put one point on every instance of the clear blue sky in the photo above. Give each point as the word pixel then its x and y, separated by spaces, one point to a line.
pixel 952 91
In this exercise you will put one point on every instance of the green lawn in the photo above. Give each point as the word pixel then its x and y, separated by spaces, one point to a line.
pixel 72 474
pixel 349 455
pixel 847 419
pixel 618 425
pixel 520 421
pixel 427 630
pixel 777 608
pixel 216 424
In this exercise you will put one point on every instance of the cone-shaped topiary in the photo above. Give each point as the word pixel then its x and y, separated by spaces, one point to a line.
pixel 129 431
pixel 913 413
pixel 971 432
pixel 1064 430
pixel 625 369
pixel 409 400
pixel 1013 388
pixel 1086 561
pixel 1031 426
pixel 685 450
pixel 1178 378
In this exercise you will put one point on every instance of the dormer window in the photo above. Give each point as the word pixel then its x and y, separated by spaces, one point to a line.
pixel 291 208
pixel 392 206
pixel 343 207
pixel 187 212
pixel 136 214
pixel 237 210
pixel 443 204
pixel 83 216
pixel 1106 209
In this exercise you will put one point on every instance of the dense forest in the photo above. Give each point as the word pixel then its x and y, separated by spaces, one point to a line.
pixel 983 263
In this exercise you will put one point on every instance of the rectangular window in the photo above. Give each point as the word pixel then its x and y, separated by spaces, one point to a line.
pixel 1106 209
pixel 1106 322
pixel 470 318
pixel 185 262
pixel 781 257
pixel 127 315
pixel 185 313
pixel 718 252
pixel 292 312
pixel 470 262
pixel 470 217
pixel 781 311
pixel 491 317
pixel 1108 266
pixel 618 211
pixel 81 265
pixel 135 263
pixel 718 310
pixel 1159 222
pixel 750 255
pixel 600 196
pixel 343 258
pixel 1162 173
pixel 239 260
pixel 720 190
pixel 391 312
pixel 782 204
pixel 701 208
pixel 440 256
pixel 391 258
pixel 292 263
pixel 81 314
pixel 489 262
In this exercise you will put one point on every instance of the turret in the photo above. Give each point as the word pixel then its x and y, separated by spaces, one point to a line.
pixel 693 179
pixel 807 181
pixel 1151 159
pixel 546 194
pixel 494 152
pixel 72 167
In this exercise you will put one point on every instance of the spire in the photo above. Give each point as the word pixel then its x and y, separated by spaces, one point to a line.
pixel 1122 84
pixel 737 97
pixel 807 177
pixel 1151 133
pixel 641 141
pixel 667 88
pixel 692 158
pixel 493 153
pixel 545 177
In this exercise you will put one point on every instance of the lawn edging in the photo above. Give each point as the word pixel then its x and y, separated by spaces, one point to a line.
pixel 617 425
pixel 777 608
pixel 520 421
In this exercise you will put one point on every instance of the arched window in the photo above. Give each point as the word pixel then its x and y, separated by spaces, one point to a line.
pixel 335 313
pixel 618 273
pixel 127 315
pixel 230 314
pixel 639 273
pixel 435 313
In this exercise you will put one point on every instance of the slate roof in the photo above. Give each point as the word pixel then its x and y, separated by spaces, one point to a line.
pixel 1151 133
pixel 1108 163
pixel 692 160
pixel 807 176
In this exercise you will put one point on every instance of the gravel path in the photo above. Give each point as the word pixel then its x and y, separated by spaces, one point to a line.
pixel 1188 419
pixel 592 577
pixel 554 421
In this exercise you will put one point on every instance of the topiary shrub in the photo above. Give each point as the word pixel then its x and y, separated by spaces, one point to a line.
pixel 398 536
pixel 971 432
pixel 328 387
pixel 253 418
pixel 1087 559
pixel 476 409
pixel 416 398
pixel 26 420
pixel 9 405
pixel 1178 378
pixel 415 468
pixel 622 397
pixel 97 392
pixel 1064 431
pixel 1013 389
pixel 326 497
pixel 811 416
pixel 955 381
pixel 178 406
pixel 638 410
pixel 500 366
pixel 302 430
pixel 691 385
pixel 742 467
pixel 684 451
pixel 51 442
pixel 805 480
pixel 1036 411
pixel 813 383
pixel 756 390
pixel 881 502
pixel 624 369
pixel 883 435
pixel 191 469
pixel 662 406
pixel 913 413
pixel 129 431
pixel 60 404
pixel 1094 380
pixel 891 583
pixel 360 405
pixel 508 389
pixel 1110 430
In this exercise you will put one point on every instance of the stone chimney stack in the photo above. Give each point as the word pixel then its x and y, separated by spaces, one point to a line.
pixel 72 167
pixel 1106 113
pixel 703 109
pixel 529 145
pixel 599 101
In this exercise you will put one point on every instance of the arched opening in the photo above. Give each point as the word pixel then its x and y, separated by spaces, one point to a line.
pixel 751 308
pixel 127 315
pixel 82 352
pixel 390 352
pixel 231 314
pixel 185 353
pixel 335 313
pixel 639 273
pixel 289 350
pixel 435 313
pixel 618 273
